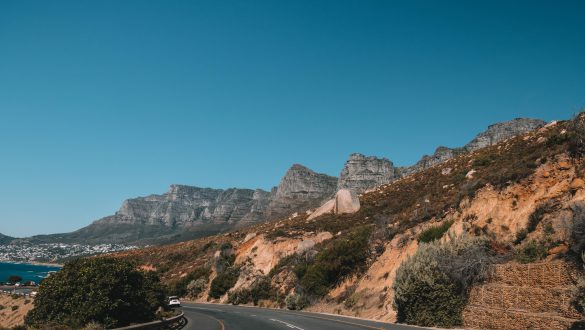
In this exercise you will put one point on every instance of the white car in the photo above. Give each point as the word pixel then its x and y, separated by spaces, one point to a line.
pixel 174 301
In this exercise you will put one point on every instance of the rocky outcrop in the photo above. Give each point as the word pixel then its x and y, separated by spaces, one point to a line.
pixel 502 131
pixel 185 206
pixel 361 173
pixel 299 190
pixel 345 201
pixel 186 212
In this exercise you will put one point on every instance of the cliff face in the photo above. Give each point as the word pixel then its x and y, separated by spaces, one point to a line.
pixel 299 190
pixel 361 173
pixel 185 212
pixel 185 206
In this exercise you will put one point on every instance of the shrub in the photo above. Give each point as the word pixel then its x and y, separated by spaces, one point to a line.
pixel 578 229
pixel 342 257
pixel 15 307
pixel 93 326
pixel 239 296
pixel 181 287
pixel 580 296
pixel 520 236
pixel 431 287
pixel 537 216
pixel 196 287
pixel 226 246
pixel 19 327
pixel 484 160
pixel 262 289
pixel 223 282
pixel 275 234
pixel 531 252
pixel 105 290
pixel 295 301
pixel 434 233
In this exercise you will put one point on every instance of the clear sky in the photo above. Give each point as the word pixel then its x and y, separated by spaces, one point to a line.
pixel 105 100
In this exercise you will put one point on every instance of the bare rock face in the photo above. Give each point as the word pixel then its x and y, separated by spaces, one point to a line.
pixel 361 173
pixel 504 130
pixel 299 190
pixel 346 201
pixel 185 206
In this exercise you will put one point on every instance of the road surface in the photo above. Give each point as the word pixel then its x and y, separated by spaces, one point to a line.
pixel 228 317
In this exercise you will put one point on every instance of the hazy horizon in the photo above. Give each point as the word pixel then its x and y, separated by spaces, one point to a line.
pixel 104 101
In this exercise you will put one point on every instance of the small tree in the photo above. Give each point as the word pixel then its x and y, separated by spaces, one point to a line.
pixel 108 291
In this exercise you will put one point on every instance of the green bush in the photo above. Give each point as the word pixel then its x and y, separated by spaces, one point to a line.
pixel 536 217
pixel 15 307
pixel 295 301
pixel 580 296
pixel 435 233
pixel 431 287
pixel 181 286
pixel 520 236
pixel 240 296
pixel 109 291
pixel 531 252
pixel 341 258
pixel 224 281
pixel 261 289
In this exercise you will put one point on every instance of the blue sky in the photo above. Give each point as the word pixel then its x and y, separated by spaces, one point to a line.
pixel 105 100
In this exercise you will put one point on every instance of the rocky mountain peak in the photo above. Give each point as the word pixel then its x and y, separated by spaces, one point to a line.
pixel 361 173
pixel 500 131
pixel 301 188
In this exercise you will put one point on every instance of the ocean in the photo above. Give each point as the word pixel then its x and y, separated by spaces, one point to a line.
pixel 27 271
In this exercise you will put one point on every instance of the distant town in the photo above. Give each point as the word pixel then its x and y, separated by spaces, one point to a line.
pixel 55 252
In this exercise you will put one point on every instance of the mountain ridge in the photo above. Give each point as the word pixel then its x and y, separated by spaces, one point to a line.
pixel 186 212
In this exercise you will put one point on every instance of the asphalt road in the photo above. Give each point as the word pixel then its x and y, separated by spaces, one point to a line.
pixel 228 317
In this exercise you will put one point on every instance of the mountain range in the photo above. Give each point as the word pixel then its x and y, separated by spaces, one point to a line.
pixel 187 212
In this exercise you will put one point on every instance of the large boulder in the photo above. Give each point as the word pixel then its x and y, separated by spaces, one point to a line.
pixel 345 201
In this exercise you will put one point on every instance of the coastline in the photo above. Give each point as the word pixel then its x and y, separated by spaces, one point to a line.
pixel 32 263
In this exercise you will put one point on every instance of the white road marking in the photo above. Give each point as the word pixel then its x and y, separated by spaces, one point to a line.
pixel 287 324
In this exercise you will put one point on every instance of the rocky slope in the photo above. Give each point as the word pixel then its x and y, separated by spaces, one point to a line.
pixel 522 190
